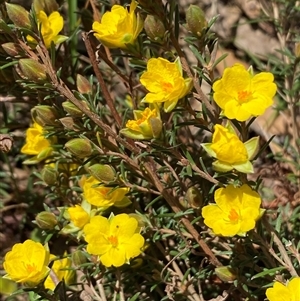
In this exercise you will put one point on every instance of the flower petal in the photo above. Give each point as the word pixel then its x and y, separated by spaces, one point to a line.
pixel 278 292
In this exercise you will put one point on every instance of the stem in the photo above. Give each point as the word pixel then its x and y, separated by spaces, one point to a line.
pixel 201 96
pixel 190 288
pixel 72 7
pixel 286 259
pixel 100 78
pixel 99 283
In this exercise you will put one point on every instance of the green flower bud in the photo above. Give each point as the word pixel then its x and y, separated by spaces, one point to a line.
pixel 154 28
pixel 18 15
pixel 68 123
pixel 44 115
pixel 70 108
pixel 103 173
pixel 195 20
pixel 79 147
pixel 12 49
pixel 49 175
pixel 194 198
pixel 226 273
pixel 79 258
pixel 156 127
pixel 46 220
pixel 83 85
pixel 32 70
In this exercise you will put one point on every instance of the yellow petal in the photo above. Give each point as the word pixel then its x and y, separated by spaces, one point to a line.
pixel 56 22
pixel 98 224
pixel 114 257
pixel 294 288
pixel 133 246
pixel 278 292
pixel 123 227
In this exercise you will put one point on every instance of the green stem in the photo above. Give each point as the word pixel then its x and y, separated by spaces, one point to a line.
pixel 72 8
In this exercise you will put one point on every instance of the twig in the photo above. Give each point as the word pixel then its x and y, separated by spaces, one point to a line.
pixel 100 78
pixel 95 293
pixel 104 57
pixel 119 285
pixel 286 259
pixel 173 204
pixel 17 206
pixel 190 288
pixel 201 96
pixel 99 283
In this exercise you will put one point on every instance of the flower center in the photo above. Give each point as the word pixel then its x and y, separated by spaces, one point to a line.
pixel 31 267
pixel 244 96
pixel 233 215
pixel 113 240
pixel 167 86
pixel 104 191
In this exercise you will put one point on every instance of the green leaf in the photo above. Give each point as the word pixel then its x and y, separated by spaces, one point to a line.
pixel 7 286
pixel 269 272
pixel 133 298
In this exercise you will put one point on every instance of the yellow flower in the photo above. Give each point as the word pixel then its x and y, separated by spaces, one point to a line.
pixel 50 28
pixel 118 27
pixel 241 95
pixel 78 216
pixel 61 269
pixel 165 83
pixel 115 240
pixel 147 125
pixel 36 144
pixel 99 195
pixel 288 292
pixel 27 263
pixel 235 212
pixel 224 141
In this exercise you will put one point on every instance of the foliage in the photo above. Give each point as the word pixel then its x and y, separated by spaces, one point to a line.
pixel 142 185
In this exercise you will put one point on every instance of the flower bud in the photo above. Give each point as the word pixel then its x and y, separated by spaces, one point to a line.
pixel 68 123
pixel 79 147
pixel 154 7
pixel 48 6
pixel 18 15
pixel 46 220
pixel 194 197
pixel 154 28
pixel 83 85
pixel 103 173
pixel 44 115
pixel 79 258
pixel 4 27
pixel 32 70
pixel 12 49
pixel 226 273
pixel 156 127
pixel 49 175
pixel 195 20
pixel 6 143
pixel 70 108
